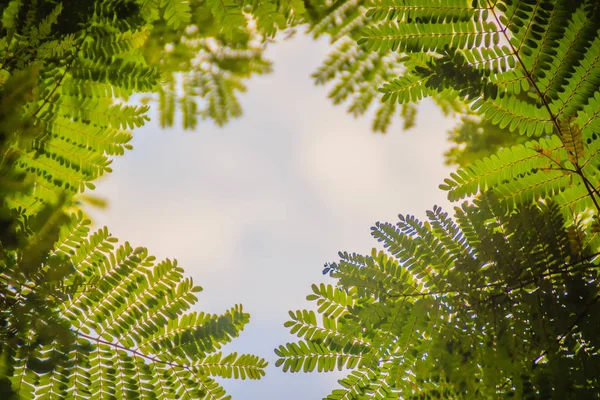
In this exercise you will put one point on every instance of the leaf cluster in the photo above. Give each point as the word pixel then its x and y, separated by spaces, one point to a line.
pixel 523 67
pixel 80 316
pixel 96 320
pixel 355 74
pixel 206 55
pixel 493 303
pixel 472 307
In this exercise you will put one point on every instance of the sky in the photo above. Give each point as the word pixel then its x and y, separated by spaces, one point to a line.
pixel 253 210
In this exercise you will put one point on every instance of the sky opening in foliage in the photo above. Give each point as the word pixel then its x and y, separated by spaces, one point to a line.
pixel 253 210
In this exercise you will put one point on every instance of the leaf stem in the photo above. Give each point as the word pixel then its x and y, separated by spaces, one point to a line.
pixel 136 353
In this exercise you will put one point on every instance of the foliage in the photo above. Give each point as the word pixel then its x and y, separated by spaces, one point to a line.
pixel 394 27
pixel 502 300
pixel 204 63
pixel 113 324
pixel 79 317
pixel 529 67
pixel 563 161
pixel 499 301
pixel 490 304
pixel 355 74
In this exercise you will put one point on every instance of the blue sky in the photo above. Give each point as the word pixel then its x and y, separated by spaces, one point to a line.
pixel 253 210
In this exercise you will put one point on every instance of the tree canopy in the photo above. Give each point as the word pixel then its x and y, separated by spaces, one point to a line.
pixel 498 301
pixel 502 299
pixel 82 316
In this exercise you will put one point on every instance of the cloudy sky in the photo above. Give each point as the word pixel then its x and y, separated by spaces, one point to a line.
pixel 253 210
